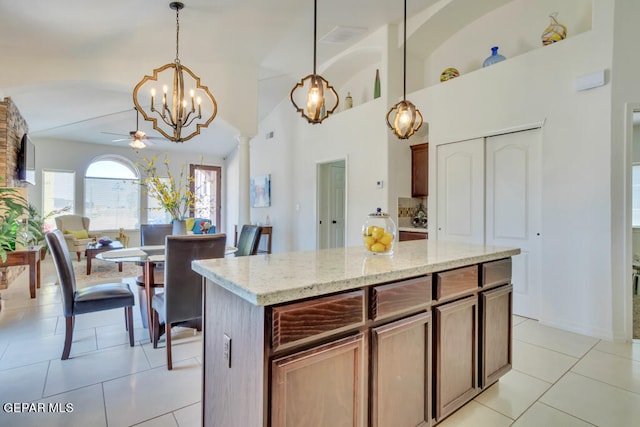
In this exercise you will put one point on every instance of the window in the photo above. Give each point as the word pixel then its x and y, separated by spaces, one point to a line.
pixel 635 196
pixel 58 192
pixel 206 187
pixel 112 194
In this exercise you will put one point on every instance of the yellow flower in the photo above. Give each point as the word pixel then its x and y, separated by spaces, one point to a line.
pixel 175 196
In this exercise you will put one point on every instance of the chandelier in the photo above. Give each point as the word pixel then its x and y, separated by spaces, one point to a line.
pixel 316 89
pixel 176 111
pixel 404 119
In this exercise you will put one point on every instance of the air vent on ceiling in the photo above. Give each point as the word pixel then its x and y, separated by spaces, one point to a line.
pixel 342 34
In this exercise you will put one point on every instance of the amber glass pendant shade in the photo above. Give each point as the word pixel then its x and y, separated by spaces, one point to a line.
pixel 314 98
pixel 404 119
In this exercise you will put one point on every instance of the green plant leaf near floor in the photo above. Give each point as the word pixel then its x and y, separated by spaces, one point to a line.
pixel 12 207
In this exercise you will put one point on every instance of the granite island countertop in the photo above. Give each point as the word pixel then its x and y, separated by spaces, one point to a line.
pixel 270 279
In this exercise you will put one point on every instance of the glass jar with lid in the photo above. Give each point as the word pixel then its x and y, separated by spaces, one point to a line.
pixel 379 233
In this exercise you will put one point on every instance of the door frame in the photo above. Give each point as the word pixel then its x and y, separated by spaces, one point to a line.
pixel 624 296
pixel 320 201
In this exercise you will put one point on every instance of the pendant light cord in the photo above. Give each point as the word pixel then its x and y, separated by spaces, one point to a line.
pixel 315 18
pixel 178 33
pixel 404 77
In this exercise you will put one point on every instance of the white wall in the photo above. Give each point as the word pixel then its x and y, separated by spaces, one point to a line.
pixel 292 156
pixel 539 86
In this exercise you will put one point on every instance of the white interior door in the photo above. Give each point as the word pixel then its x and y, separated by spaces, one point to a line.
pixel 460 191
pixel 331 204
pixel 336 204
pixel 513 194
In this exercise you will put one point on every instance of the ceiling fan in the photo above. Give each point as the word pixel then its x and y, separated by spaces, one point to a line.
pixel 136 137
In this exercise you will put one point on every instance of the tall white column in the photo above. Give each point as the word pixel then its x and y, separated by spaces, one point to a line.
pixel 244 209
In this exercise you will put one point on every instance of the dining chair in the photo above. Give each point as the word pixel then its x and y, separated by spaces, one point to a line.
pixel 249 240
pixel 181 300
pixel 151 235
pixel 90 299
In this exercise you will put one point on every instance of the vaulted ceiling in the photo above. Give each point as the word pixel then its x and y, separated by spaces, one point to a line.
pixel 71 65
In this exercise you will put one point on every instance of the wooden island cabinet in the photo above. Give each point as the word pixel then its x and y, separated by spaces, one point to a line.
pixel 333 338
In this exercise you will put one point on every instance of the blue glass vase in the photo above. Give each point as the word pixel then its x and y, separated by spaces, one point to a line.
pixel 494 58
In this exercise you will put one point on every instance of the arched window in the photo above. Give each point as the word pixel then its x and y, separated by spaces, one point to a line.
pixel 112 194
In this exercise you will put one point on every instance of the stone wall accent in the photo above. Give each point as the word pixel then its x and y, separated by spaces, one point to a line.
pixel 12 127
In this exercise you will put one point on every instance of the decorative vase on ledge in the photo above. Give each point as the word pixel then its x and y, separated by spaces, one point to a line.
pixel 494 58
pixel 554 32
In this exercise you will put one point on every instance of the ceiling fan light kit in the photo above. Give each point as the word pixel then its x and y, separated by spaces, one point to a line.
pixel 313 92
pixel 404 119
pixel 176 111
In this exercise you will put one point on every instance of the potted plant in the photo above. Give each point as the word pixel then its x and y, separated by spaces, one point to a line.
pixel 36 228
pixel 12 207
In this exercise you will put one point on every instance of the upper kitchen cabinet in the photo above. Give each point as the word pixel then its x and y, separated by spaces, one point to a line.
pixel 419 170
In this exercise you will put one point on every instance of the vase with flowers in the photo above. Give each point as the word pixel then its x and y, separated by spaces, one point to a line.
pixel 173 194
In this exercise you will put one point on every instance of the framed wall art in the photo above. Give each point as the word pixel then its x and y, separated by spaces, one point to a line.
pixel 260 191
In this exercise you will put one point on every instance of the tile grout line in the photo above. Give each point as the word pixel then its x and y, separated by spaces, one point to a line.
pixel 557 381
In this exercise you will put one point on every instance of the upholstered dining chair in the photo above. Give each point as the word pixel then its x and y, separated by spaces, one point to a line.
pixel 100 297
pixel 181 300
pixel 249 240
pixel 151 235
pixel 76 232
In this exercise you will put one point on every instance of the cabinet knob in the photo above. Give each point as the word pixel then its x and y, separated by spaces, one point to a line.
pixel 334 221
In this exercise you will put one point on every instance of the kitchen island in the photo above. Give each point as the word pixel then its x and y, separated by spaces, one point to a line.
pixel 336 337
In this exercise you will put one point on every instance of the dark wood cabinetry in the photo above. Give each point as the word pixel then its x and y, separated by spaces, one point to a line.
pixel 455 354
pixel 306 384
pixel 411 235
pixel 401 373
pixel 419 170
pixel 403 353
pixel 495 334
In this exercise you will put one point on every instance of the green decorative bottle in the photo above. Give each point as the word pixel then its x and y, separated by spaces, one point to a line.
pixel 376 86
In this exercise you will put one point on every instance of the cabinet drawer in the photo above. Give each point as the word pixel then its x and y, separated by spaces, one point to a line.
pixel 308 320
pixel 496 273
pixel 393 298
pixel 412 235
pixel 453 283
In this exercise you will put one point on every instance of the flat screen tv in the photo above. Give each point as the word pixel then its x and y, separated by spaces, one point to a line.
pixel 27 161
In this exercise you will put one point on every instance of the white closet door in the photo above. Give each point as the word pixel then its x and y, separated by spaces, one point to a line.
pixel 460 191
pixel 513 176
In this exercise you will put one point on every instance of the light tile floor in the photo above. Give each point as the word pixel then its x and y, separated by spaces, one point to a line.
pixel 558 378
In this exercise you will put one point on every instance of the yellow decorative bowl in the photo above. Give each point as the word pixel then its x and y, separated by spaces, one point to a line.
pixel 448 74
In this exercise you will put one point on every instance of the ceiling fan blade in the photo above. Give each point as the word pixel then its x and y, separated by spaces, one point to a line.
pixel 121 139
pixel 113 133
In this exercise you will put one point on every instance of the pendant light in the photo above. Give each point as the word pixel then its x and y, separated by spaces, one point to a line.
pixel 318 91
pixel 404 119
pixel 178 109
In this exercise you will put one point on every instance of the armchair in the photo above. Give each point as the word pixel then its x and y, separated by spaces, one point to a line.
pixel 75 228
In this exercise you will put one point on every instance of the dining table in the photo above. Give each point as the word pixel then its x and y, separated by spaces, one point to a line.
pixel 148 257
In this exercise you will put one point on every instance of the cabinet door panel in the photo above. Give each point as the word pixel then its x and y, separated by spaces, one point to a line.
pixel 495 324
pixel 420 170
pixel 401 373
pixel 323 386
pixel 455 354
pixel 460 197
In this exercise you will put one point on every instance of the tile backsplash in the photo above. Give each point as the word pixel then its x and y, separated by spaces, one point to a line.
pixel 407 208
